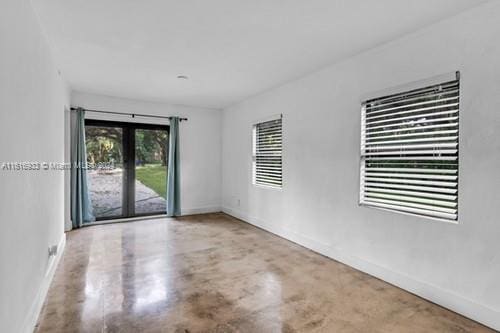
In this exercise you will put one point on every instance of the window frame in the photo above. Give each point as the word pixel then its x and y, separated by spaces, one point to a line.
pixel 254 153
pixel 401 90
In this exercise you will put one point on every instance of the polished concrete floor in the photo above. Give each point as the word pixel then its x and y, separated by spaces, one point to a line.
pixel 213 273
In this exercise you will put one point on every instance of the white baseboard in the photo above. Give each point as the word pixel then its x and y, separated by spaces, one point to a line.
pixel 36 307
pixel 201 210
pixel 446 298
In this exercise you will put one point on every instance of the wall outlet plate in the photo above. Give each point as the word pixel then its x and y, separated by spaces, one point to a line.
pixel 52 250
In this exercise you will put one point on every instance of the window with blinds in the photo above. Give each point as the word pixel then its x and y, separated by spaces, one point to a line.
pixel 409 152
pixel 267 153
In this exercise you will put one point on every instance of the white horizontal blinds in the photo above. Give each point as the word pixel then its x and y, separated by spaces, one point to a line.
pixel 268 153
pixel 409 151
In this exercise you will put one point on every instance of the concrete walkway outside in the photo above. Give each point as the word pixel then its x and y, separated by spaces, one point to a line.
pixel 106 194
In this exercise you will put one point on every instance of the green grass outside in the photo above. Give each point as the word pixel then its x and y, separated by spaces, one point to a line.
pixel 153 176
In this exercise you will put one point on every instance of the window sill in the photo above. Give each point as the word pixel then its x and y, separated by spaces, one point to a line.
pixel 268 187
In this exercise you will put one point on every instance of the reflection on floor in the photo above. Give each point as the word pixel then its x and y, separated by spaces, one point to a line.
pixel 213 273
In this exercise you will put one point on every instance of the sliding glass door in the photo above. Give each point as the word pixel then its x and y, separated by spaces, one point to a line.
pixel 136 186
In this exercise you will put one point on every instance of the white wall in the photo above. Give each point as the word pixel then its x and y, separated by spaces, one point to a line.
pixel 456 265
pixel 200 145
pixel 32 101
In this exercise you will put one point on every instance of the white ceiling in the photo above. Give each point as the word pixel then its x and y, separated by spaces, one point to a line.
pixel 230 49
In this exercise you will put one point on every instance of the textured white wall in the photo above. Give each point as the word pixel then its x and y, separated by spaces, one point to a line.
pixel 200 144
pixel 32 101
pixel 456 265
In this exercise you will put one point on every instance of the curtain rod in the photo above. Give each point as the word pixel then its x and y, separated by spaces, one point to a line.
pixel 126 114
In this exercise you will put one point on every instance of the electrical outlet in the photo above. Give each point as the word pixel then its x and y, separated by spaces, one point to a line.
pixel 52 250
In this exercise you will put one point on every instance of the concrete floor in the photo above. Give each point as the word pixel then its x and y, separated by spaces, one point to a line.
pixel 213 273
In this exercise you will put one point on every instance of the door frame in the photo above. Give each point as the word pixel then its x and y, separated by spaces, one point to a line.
pixel 128 145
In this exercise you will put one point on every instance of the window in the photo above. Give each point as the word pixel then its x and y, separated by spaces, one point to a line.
pixel 409 151
pixel 267 153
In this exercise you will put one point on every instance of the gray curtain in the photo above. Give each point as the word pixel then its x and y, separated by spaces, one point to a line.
pixel 174 171
pixel 81 208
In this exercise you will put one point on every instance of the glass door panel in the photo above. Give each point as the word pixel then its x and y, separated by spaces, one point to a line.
pixel 105 145
pixel 150 171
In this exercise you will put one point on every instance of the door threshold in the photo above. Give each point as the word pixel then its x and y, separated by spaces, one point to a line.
pixel 127 219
